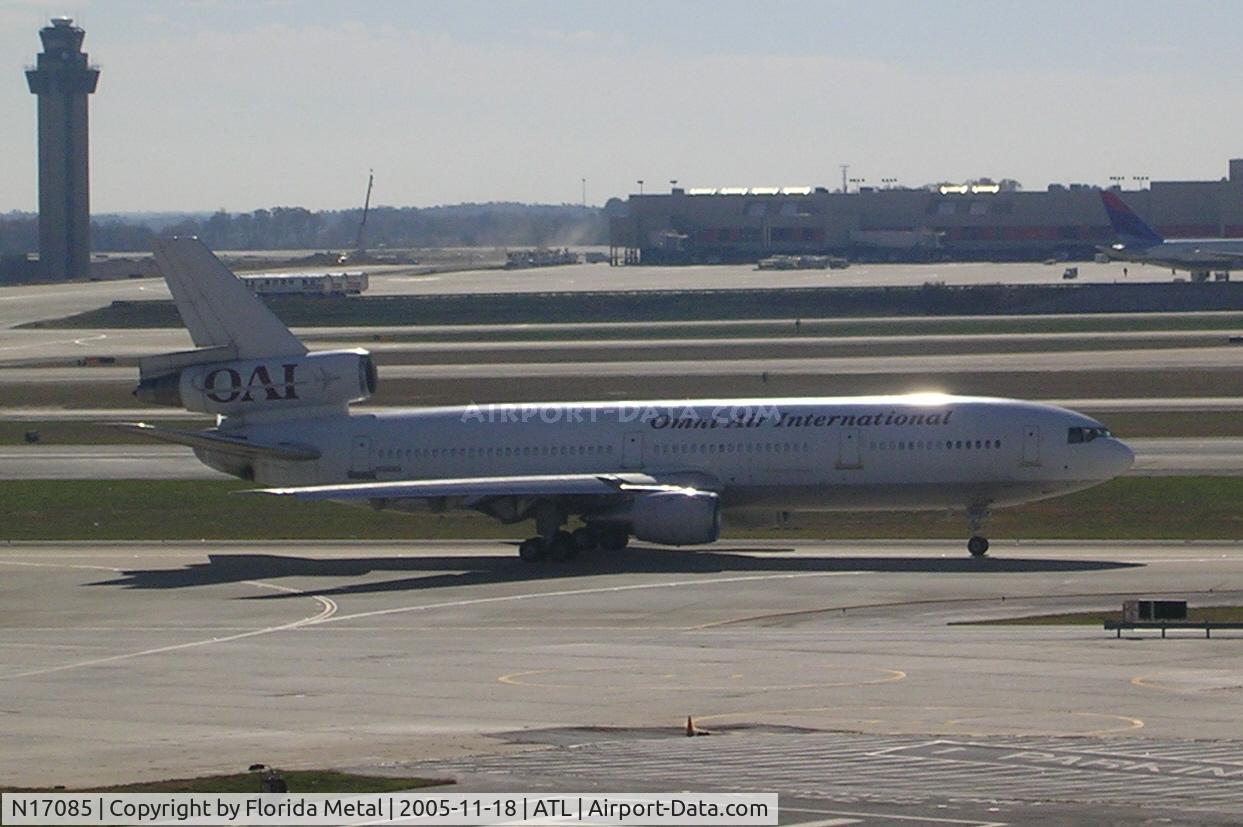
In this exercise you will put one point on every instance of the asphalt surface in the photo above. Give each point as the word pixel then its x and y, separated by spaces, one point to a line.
pixel 601 277
pixel 1221 456
pixel 102 462
pixel 1204 358
pixel 827 671
pixel 20 303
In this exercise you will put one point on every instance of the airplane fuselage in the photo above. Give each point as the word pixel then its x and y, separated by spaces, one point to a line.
pixel 1185 254
pixel 921 451
pixel 660 471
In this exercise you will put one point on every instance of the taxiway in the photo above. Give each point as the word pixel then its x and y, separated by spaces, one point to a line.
pixel 830 671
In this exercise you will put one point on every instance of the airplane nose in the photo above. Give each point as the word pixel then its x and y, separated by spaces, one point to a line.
pixel 1121 457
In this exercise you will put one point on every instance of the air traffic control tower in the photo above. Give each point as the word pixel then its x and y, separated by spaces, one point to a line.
pixel 62 79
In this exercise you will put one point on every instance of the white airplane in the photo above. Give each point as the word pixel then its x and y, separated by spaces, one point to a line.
pixel 1140 243
pixel 660 471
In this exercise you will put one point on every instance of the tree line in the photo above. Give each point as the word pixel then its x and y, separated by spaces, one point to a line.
pixel 461 225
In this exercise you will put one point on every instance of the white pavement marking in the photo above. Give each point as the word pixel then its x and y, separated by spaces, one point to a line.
pixel 112 569
pixel 328 610
pixel 1136 773
pixel 579 592
pixel 329 613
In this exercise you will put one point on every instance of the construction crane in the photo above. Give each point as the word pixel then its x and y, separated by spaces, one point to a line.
pixel 359 249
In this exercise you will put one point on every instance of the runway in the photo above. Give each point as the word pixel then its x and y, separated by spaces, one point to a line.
pixel 126 661
pixel 1222 456
pixel 66 349
pixel 102 462
pixel 1204 358
pixel 21 303
pixel 601 277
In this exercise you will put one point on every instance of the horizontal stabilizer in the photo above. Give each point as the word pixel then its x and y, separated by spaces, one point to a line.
pixel 481 488
pixel 220 443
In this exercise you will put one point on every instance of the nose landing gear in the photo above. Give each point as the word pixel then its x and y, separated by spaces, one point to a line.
pixel 977 545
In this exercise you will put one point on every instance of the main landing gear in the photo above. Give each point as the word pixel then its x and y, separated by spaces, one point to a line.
pixel 977 545
pixel 555 543
pixel 564 545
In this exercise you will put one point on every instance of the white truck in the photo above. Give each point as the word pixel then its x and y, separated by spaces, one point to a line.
pixel 307 284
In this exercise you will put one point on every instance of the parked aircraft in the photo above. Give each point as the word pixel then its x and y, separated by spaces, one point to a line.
pixel 662 471
pixel 1139 242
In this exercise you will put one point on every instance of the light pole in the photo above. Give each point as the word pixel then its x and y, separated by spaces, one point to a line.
pixel 1139 180
pixel 584 193
pixel 1117 180
pixel 673 183
pixel 858 182
pixel 640 183
pixel 889 183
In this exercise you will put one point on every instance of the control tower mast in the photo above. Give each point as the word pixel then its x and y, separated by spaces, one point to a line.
pixel 62 79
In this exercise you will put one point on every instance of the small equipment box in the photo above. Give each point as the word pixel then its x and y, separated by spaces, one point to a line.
pixel 1142 611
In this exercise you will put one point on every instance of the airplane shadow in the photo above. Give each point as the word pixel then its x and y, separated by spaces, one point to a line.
pixel 435 572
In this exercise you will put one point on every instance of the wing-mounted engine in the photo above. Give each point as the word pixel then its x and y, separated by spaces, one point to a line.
pixel 257 389
pixel 683 517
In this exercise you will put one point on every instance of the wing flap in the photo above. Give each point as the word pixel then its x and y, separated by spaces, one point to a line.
pixel 220 443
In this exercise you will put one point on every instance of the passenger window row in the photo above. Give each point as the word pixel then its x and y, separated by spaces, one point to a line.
pixel 937 445
pixel 666 448
pixel 497 452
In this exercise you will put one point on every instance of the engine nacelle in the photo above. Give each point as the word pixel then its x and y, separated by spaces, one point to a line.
pixel 677 518
pixel 330 378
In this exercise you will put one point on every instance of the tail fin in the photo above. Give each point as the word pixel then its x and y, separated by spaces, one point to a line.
pixel 1131 229
pixel 218 310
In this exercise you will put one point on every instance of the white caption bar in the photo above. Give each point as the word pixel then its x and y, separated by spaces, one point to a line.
pixel 387 808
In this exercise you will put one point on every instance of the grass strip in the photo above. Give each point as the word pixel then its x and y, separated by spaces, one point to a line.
pixel 1128 508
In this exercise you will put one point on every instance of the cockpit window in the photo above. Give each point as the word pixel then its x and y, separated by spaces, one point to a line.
pixel 1077 435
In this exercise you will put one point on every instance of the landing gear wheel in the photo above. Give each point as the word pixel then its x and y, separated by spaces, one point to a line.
pixel 614 539
pixel 585 539
pixel 978 546
pixel 532 550
pixel 561 547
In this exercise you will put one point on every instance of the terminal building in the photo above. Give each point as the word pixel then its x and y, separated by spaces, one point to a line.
pixel 968 222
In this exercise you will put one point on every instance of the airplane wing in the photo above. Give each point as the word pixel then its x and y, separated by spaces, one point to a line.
pixel 474 490
pixel 220 443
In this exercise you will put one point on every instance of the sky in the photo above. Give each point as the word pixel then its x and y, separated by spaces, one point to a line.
pixel 242 104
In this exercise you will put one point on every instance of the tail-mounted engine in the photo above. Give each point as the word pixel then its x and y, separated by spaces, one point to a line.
pixel 332 378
